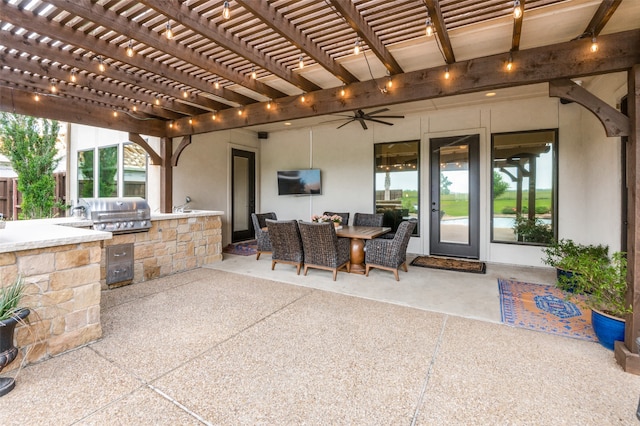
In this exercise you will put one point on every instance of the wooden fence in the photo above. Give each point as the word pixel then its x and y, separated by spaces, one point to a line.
pixel 10 197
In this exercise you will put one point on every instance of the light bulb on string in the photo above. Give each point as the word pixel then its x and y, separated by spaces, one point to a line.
pixel 130 50
pixel 342 91
pixel 168 33
pixel 54 88
pixel 216 84
pixel 446 73
pixel 74 77
pixel 356 47
pixel 428 27
pixel 302 98
pixel 157 100
pixel 213 116
pixel 517 9
pixel 594 45
pixel 253 73
pixel 269 104
pixel 301 62
pixel 510 63
pixel 226 12
pixel 36 97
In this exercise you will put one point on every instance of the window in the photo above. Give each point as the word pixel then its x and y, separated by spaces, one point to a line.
pixel 85 174
pixel 134 167
pixel 524 207
pixel 108 171
pixel 397 182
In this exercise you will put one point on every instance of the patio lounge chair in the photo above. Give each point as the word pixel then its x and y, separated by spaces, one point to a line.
pixel 389 254
pixel 286 243
pixel 262 237
pixel 323 249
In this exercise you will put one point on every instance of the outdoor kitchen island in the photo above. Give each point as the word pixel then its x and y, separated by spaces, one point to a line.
pixel 62 261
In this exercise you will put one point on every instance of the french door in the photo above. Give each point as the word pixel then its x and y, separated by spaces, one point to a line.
pixel 455 196
pixel 243 194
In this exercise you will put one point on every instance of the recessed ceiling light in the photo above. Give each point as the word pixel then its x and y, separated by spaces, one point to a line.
pixel 490 94
pixel 287 123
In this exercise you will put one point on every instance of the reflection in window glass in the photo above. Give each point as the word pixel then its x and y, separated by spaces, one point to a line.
pixel 85 174
pixel 134 166
pixel 524 187
pixel 108 172
pixel 397 182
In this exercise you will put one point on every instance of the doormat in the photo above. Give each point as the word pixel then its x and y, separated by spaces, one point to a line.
pixel 450 264
pixel 245 248
pixel 544 308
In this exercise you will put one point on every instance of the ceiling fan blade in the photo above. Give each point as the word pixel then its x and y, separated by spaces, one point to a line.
pixel 389 116
pixel 380 121
pixel 362 123
pixel 377 111
pixel 342 125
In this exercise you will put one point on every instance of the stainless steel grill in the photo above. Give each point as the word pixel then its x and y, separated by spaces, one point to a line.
pixel 117 215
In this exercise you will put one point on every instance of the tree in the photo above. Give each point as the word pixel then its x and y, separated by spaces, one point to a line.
pixel 30 145
pixel 445 183
pixel 499 185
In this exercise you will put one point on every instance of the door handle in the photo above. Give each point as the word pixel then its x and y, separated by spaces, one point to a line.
pixel 434 210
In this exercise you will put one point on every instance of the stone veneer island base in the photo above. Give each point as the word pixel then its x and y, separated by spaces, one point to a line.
pixel 63 264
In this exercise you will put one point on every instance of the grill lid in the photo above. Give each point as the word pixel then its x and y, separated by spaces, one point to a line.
pixel 129 214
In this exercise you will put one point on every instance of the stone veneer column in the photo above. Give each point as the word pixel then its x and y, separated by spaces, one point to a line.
pixel 63 294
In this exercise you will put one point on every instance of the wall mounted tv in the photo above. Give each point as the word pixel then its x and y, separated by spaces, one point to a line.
pixel 299 182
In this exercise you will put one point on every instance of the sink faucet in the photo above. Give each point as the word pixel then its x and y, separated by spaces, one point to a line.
pixel 181 207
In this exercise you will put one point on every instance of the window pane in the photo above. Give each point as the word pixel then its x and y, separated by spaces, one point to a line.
pixel 135 170
pixel 85 174
pixel 108 172
pixel 397 182
pixel 524 207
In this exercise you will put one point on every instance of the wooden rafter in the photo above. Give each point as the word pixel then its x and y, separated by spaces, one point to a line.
pixel 201 26
pixel 601 17
pixel 433 6
pixel 517 29
pixel 276 21
pixel 122 25
pixel 137 139
pixel 357 22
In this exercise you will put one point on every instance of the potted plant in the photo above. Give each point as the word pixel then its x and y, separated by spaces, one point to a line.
pixel 565 255
pixel 605 285
pixel 10 315
pixel 336 219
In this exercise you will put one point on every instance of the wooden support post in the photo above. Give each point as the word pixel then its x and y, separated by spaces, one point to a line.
pixel 626 352
pixel 166 175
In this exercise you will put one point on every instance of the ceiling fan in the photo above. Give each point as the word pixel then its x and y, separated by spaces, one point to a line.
pixel 361 116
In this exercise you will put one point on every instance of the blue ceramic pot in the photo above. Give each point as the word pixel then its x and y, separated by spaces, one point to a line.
pixel 608 329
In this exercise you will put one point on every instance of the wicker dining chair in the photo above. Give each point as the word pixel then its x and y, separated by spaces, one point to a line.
pixel 323 249
pixel 389 254
pixel 286 243
pixel 344 216
pixel 368 219
pixel 262 237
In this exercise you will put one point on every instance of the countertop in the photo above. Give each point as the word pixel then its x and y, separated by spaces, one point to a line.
pixel 40 233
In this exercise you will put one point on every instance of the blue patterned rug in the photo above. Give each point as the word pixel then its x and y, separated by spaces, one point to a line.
pixel 544 308
pixel 245 248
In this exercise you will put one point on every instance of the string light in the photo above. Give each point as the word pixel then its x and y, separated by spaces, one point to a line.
pixel 213 116
pixel 216 84
pixel 239 111
pixel 130 50
pixel 342 91
pixel 302 98
pixel 301 62
pixel 269 104
pixel 510 63
pixel 356 47
pixel 446 73
pixel 190 121
pixel 389 82
pixel 115 113
pixel 135 108
pixel 253 73
pixel 74 77
pixel 157 100
pixel 517 9
pixel 171 125
pixel 185 94
pixel 101 65
pixel 36 97
pixel 594 44
pixel 428 27
pixel 168 33
pixel 54 88
pixel 226 13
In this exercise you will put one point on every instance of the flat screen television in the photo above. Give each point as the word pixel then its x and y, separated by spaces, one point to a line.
pixel 299 182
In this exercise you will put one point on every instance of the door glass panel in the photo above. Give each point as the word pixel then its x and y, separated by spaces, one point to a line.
pixel 108 171
pixel 523 187
pixel 134 166
pixel 454 194
pixel 241 200
pixel 397 182
pixel 85 174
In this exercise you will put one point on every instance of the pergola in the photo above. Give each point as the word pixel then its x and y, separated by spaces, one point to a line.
pixel 175 68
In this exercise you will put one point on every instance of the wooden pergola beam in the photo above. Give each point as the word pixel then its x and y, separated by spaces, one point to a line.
pixel 601 17
pixel 348 10
pixel 75 111
pixel 517 29
pixel 278 23
pixel 137 139
pixel 619 52
pixel 433 7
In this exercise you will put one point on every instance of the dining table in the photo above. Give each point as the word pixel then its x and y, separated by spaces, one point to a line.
pixel 358 234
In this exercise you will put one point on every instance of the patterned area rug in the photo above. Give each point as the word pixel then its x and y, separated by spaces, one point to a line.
pixel 544 308
pixel 246 248
pixel 449 264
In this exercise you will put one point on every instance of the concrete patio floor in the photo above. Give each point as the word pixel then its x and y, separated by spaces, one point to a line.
pixel 225 345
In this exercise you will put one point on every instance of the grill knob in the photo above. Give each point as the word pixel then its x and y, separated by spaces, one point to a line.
pixel 131 224
pixel 144 223
pixel 103 226
pixel 117 224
